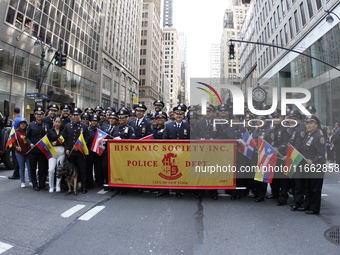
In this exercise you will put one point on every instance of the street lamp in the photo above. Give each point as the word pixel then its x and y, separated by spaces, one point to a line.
pixel 40 76
pixel 329 17
pixel 132 93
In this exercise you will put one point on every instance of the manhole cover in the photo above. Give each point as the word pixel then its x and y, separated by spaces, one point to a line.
pixel 333 235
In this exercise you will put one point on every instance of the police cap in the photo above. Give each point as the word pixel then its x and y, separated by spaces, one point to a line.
pixel 89 110
pixel 192 115
pixel 159 103
pixel 132 113
pixel 295 113
pixel 102 113
pixel 123 112
pixel 85 115
pixel 76 111
pixel 311 109
pixel 98 108
pixel 94 117
pixel 140 107
pixel 161 115
pixel 211 107
pixel 223 107
pixel 53 107
pixel 39 110
pixel 113 115
pixel 66 107
pixel 312 118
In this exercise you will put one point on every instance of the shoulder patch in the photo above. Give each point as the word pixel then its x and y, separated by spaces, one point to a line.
pixel 303 134
pixel 322 140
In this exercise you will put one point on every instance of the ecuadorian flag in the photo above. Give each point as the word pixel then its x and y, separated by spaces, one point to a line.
pixel 46 147
pixel 11 139
pixel 81 145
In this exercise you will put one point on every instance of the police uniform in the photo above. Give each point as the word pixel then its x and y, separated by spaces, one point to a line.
pixel 192 116
pixel 72 132
pixel 313 148
pixel 49 120
pixel 103 122
pixel 35 132
pixel 65 119
pixel 159 130
pixel 142 127
pixel 93 160
pixel 123 131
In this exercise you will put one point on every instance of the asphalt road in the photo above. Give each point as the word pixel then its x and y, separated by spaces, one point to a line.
pixel 98 223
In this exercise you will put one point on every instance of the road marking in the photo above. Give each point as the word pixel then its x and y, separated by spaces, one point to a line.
pixel 71 211
pixel 1 176
pixel 102 191
pixel 4 247
pixel 324 195
pixel 91 213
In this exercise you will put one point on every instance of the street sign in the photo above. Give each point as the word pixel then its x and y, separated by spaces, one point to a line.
pixel 36 95
pixel 135 100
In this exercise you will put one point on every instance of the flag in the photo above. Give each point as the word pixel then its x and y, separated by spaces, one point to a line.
pixel 97 144
pixel 81 145
pixel 46 147
pixel 293 159
pixel 11 138
pixel 267 156
pixel 148 137
pixel 247 145
pixel 61 139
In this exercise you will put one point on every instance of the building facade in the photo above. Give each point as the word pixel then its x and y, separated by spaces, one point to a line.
pixel 301 26
pixel 168 13
pixel 150 71
pixel 100 38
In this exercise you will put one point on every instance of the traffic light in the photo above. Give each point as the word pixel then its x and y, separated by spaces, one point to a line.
pixel 63 59
pixel 57 58
pixel 231 51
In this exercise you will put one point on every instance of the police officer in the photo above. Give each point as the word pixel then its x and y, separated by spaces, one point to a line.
pixel 52 113
pixel 109 110
pixel 65 115
pixel 72 132
pixel 159 105
pixel 132 116
pixel 192 118
pixel 158 129
pixel 85 118
pixel 113 122
pixel 89 110
pixel 313 149
pixel 123 130
pixel 35 132
pixel 93 159
pixel 297 133
pixel 140 125
pixel 98 109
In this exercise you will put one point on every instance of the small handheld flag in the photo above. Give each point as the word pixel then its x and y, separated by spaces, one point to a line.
pixel 81 145
pixel 46 147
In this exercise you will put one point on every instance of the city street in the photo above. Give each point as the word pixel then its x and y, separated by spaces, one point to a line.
pixel 101 222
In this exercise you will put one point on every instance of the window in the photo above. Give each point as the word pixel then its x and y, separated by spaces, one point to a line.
pixel 142 72
pixel 296 18
pixel 286 33
pixel 144 23
pixel 283 8
pixel 142 51
pixel 144 32
pixel 143 42
pixel 142 61
pixel 145 15
pixel 303 16
pixel 310 8
pixel 290 21
pixel 318 4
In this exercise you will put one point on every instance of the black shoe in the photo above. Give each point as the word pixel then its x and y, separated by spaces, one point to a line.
pixel 69 192
pixel 301 209
pixel 36 188
pixel 162 193
pixel 12 177
pixel 311 212
pixel 271 196
pixel 84 191
pixel 75 192
pixel 214 197
pixel 259 199
pixel 140 191
pixel 294 208
pixel 290 191
pixel 179 194
pixel 281 203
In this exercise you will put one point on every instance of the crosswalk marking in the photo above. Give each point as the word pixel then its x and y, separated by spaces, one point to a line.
pixel 324 195
pixel 71 211
pixel 1 176
pixel 4 247
pixel 91 213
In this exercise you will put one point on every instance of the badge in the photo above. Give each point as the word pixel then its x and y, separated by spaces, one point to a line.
pixel 143 130
pixel 322 140
pixel 185 132
pixel 302 134
pixel 161 131
pixel 126 130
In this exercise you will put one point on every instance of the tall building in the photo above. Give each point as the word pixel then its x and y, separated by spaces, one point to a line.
pixel 119 72
pixel 172 64
pixel 150 72
pixel 215 63
pixel 101 40
pixel 301 26
pixel 182 39
pixel 168 13
pixel 232 20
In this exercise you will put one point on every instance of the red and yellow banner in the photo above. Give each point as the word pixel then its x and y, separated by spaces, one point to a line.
pixel 173 164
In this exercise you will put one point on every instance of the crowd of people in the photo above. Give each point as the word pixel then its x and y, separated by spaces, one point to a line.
pixel 305 133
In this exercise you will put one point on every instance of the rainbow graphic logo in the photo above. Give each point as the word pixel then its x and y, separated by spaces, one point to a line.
pixel 214 95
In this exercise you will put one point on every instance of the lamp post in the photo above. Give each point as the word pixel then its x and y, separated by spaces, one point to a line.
pixel 329 17
pixel 132 93
pixel 40 76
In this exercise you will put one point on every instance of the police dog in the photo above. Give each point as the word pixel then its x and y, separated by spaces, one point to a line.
pixel 70 171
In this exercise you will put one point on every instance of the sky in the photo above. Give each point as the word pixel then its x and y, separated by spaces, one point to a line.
pixel 202 21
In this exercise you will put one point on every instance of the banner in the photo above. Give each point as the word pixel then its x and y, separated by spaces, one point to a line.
pixel 173 164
